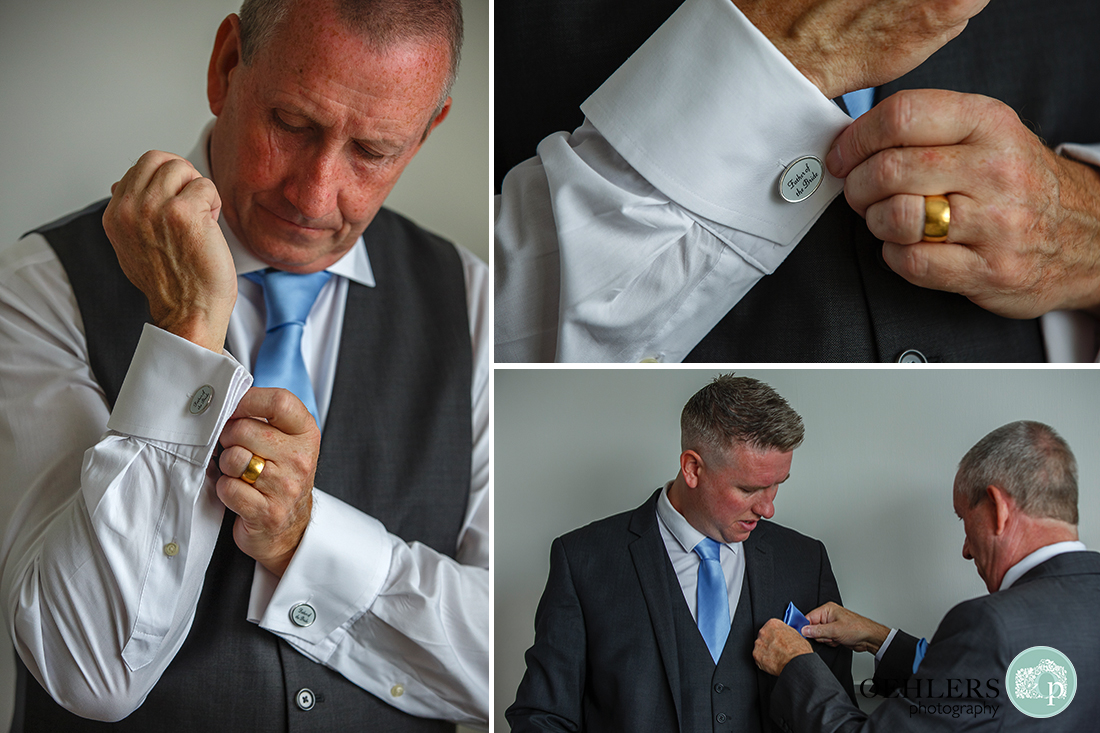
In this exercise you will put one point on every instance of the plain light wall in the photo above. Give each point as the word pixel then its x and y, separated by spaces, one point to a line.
pixel 872 480
pixel 87 87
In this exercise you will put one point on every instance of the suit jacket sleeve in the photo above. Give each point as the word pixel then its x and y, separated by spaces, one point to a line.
pixel 550 695
pixel 969 645
pixel 896 664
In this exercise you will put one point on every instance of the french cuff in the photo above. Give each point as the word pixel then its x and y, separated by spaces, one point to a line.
pixel 1084 153
pixel 712 114
pixel 176 391
pixel 336 573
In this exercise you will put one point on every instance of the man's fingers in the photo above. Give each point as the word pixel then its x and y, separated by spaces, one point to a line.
pixel 900 219
pixel 923 171
pixel 141 173
pixel 279 407
pixel 253 436
pixel 204 194
pixel 241 498
pixel 910 118
pixel 936 265
pixel 234 460
pixel 823 614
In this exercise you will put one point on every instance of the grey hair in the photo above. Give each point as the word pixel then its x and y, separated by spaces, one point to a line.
pixel 1030 462
pixel 733 410
pixel 382 22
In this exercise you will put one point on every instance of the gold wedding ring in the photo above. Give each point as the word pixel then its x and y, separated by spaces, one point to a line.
pixel 255 468
pixel 937 218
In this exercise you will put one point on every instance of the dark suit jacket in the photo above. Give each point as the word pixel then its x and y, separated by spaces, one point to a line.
pixel 1052 605
pixel 604 657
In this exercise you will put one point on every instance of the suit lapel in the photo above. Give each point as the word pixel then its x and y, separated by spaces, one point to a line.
pixel 650 561
pixel 759 567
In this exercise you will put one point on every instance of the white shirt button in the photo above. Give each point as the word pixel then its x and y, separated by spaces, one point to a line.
pixel 303 615
pixel 171 549
pixel 397 690
pixel 305 699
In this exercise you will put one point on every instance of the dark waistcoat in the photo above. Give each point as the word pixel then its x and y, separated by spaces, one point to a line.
pixel 396 445
pixel 833 299
pixel 723 697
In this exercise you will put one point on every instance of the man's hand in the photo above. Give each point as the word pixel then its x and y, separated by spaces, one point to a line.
pixel 836 625
pixel 1024 236
pixel 777 644
pixel 163 223
pixel 274 511
pixel 845 45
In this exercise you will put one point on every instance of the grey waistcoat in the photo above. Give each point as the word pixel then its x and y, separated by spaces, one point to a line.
pixel 724 698
pixel 396 445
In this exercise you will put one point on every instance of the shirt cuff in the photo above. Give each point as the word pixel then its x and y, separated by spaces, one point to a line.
pixel 711 113
pixel 336 573
pixel 176 391
pixel 882 649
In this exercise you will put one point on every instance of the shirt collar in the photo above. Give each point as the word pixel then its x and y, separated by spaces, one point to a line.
pixel 681 529
pixel 354 265
pixel 1037 558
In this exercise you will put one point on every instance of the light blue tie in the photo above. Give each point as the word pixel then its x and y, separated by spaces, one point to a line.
pixel 288 298
pixel 859 102
pixel 712 599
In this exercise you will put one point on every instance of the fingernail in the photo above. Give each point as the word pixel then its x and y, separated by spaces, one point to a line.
pixel 834 161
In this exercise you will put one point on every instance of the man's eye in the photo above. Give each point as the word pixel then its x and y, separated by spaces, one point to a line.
pixel 280 122
pixel 367 152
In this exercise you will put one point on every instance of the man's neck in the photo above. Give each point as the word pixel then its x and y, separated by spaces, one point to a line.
pixel 1030 535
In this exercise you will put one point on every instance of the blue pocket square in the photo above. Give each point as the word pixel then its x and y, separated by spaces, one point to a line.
pixel 794 618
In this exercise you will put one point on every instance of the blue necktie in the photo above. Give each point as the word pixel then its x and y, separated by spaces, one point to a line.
pixel 713 600
pixel 859 102
pixel 288 298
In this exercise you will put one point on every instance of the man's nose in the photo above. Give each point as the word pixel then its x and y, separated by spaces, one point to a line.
pixel 313 185
pixel 765 507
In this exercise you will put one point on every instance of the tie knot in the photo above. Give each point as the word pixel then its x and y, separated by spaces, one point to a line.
pixel 289 297
pixel 708 549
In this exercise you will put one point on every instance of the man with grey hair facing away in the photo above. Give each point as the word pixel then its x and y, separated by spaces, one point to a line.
pixel 1016 494
pixel 347 586
pixel 648 617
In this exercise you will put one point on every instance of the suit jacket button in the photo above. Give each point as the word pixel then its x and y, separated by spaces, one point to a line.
pixel 720 717
pixel 304 699
pixel 719 687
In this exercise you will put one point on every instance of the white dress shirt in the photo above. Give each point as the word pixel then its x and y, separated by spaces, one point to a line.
pixel 630 239
pixel 680 541
pixel 86 578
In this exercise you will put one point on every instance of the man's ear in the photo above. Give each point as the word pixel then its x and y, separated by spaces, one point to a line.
pixel 691 466
pixel 225 57
pixel 440 116
pixel 1003 508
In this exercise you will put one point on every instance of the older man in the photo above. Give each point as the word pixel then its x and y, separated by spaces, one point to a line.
pixel 1016 494
pixel 349 580
pixel 648 617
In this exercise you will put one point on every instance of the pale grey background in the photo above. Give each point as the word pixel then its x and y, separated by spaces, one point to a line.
pixel 87 87
pixel 872 481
